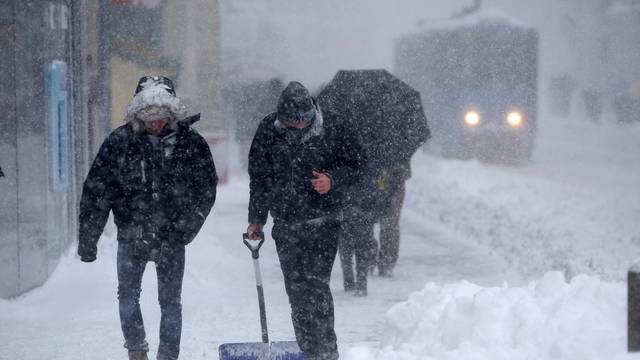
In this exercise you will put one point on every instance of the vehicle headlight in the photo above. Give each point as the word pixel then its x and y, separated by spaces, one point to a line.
pixel 514 118
pixel 471 118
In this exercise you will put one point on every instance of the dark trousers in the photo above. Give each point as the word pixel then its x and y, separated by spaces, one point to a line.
pixel 390 230
pixel 356 238
pixel 307 252
pixel 170 271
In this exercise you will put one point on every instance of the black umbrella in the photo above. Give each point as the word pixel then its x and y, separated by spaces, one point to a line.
pixel 386 113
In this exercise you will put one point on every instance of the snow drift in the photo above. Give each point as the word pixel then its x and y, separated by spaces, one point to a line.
pixel 548 319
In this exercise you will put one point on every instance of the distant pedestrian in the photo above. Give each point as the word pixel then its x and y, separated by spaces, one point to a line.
pixel 157 175
pixel 299 169
pixel 388 117
pixel 391 182
pixel 361 211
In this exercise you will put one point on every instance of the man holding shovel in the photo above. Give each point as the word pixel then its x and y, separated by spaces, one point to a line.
pixel 298 168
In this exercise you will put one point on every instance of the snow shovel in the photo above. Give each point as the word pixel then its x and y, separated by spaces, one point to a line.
pixel 278 350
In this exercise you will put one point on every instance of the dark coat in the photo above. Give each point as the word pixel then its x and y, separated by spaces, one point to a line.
pixel 280 170
pixel 363 198
pixel 157 188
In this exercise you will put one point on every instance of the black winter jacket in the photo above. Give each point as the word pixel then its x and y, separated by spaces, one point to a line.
pixel 370 196
pixel 280 170
pixel 158 188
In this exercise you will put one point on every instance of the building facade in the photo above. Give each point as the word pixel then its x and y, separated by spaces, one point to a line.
pixel 66 76
pixel 37 146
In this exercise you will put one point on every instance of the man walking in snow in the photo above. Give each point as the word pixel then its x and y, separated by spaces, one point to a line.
pixel 298 169
pixel 157 175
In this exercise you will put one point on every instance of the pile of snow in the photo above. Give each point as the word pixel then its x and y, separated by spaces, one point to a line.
pixel 548 319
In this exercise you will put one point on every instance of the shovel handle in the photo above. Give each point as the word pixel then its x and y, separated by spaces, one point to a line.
pixel 255 249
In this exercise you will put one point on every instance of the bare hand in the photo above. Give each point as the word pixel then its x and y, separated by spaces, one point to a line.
pixel 254 232
pixel 321 183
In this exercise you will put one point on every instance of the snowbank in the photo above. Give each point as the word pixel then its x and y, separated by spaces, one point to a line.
pixel 548 319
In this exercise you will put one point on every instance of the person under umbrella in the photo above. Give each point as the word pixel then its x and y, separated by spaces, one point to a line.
pixel 391 125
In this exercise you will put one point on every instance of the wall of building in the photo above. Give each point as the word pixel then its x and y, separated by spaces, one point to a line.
pixel 8 152
pixel 36 143
pixel 191 35
pixel 64 77
pixel 49 93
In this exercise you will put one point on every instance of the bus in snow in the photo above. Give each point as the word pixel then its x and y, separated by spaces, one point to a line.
pixel 478 77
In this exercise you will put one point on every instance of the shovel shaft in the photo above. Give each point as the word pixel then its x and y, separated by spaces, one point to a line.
pixel 255 254
pixel 263 311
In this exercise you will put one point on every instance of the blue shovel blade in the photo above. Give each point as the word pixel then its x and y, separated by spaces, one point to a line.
pixel 279 350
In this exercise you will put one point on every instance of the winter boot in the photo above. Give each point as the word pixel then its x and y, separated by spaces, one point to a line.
pixel 138 355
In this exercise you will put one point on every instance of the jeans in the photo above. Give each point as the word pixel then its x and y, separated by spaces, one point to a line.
pixel 170 271
pixel 307 252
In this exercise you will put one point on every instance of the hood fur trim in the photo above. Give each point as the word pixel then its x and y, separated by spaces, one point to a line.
pixel 155 96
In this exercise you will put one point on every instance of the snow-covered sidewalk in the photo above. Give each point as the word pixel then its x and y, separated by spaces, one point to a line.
pixel 74 315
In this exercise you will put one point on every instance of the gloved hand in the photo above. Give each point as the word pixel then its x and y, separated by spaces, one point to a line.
pixel 88 258
pixel 181 236
pixel 185 228
pixel 185 238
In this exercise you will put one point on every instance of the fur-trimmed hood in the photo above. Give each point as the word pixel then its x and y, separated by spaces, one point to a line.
pixel 155 96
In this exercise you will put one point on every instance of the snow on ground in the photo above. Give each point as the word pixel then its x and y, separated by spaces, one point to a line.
pixel 574 209
pixel 75 312
pixel 548 319
pixel 474 233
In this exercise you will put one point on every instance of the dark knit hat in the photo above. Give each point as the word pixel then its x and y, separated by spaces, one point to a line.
pixel 296 104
